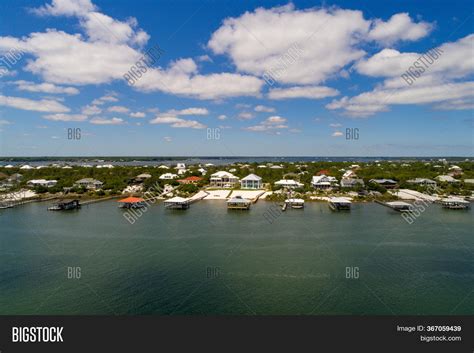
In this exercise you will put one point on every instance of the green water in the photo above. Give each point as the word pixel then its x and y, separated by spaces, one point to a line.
pixel 207 260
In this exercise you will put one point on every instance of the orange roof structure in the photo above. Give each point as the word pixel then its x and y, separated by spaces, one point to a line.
pixel 324 171
pixel 191 178
pixel 131 200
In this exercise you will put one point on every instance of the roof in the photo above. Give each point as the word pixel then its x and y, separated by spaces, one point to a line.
pixel 88 180
pixel 238 199
pixel 294 200
pixel 383 181
pixel 132 200
pixel 221 174
pixel 191 178
pixel 339 200
pixel 287 182
pixel 323 172
pixel 252 177
pixel 176 199
pixel 144 175
pixel 398 204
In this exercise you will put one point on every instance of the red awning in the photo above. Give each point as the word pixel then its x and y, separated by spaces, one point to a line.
pixel 131 200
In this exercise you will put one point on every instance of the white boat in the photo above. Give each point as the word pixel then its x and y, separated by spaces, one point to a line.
pixel 295 203
pixel 455 203
pixel 339 204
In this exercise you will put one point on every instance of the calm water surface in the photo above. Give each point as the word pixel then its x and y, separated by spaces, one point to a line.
pixel 208 260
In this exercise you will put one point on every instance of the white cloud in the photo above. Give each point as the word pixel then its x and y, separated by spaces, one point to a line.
pixel 262 108
pixel 66 117
pixel 44 87
pixel 65 8
pixel 168 138
pixel 261 40
pixel 245 116
pixel 182 78
pixel 311 92
pixel 204 58
pixel 4 122
pixel 42 105
pixel 104 121
pixel 269 125
pixel 222 117
pixel 138 115
pixel 171 119
pixel 108 98
pixel 399 27
pixel 380 99
pixel 118 109
pixel 91 110
pixel 335 125
pixel 337 134
pixel 191 111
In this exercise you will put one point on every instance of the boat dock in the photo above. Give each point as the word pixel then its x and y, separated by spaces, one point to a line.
pixel 339 204
pixel 398 206
pixel 177 203
pixel 238 203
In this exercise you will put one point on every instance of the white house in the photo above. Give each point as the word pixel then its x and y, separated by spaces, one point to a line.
pixel 455 170
pixel 223 179
pixel 446 179
pixel 276 167
pixel 289 183
pixel 89 183
pixel 351 182
pixel 251 181
pixel 163 167
pixel 202 171
pixel 180 166
pixel 26 166
pixel 41 182
pixel 323 181
pixel 422 181
pixel 168 176
pixel 349 174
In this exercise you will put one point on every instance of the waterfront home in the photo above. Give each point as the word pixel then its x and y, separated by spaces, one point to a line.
pixel 27 167
pixel 41 182
pixel 223 179
pixel 190 180
pixel 142 177
pixel 89 183
pixel 422 181
pixel 289 183
pixel 323 181
pixel 251 181
pixel 168 176
pixel 177 203
pixel 351 182
pixel 386 183
pixel 446 179
pixel 238 203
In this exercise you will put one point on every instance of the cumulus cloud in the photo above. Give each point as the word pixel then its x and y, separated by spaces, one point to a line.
pixel 108 98
pixel 66 117
pixel 171 118
pixel 399 27
pixel 311 92
pixel 42 105
pixel 245 116
pixel 222 117
pixel 65 8
pixel 104 121
pixel 191 111
pixel 44 87
pixel 269 125
pixel 264 109
pixel 138 115
pixel 118 109
pixel 336 134
pixel 91 110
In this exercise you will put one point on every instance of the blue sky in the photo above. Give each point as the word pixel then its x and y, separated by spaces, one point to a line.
pixel 274 78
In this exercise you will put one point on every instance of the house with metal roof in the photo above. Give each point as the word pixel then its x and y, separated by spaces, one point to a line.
pixel 289 183
pixel 223 179
pixel 323 181
pixel 251 181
